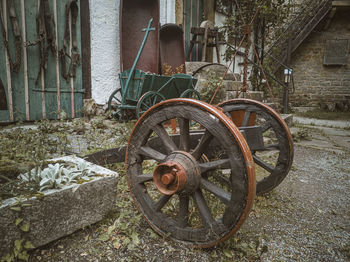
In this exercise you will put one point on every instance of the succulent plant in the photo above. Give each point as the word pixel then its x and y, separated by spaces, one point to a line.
pixel 58 175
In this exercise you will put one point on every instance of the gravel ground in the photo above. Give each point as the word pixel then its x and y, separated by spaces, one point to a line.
pixel 306 218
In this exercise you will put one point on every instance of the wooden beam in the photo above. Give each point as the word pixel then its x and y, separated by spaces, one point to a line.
pixel 85 46
pixel 209 12
pixel 330 17
pixel 179 12
pixel 341 3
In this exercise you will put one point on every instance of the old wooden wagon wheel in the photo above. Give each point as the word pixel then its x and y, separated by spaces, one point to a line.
pixel 275 158
pixel 147 100
pixel 181 194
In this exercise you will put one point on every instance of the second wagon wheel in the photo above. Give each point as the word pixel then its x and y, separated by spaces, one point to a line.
pixel 181 194
pixel 275 158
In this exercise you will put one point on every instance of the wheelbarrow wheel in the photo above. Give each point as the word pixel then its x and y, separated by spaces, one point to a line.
pixel 191 93
pixel 146 101
pixel 275 160
pixel 182 194
pixel 114 101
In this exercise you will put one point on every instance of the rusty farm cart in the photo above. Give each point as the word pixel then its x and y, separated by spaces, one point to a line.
pixel 197 186
pixel 140 90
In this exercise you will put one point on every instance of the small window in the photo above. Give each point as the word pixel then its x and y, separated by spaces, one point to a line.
pixel 337 52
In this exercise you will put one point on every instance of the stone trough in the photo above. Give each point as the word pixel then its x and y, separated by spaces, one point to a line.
pixel 58 212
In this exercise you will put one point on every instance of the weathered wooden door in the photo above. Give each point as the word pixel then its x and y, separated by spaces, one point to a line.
pixel 48 96
pixel 193 16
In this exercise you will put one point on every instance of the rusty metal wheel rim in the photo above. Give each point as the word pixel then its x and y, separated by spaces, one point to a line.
pixel 279 167
pixel 212 227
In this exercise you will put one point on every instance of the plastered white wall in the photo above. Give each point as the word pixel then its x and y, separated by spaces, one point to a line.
pixel 167 11
pixel 219 21
pixel 236 67
pixel 105 48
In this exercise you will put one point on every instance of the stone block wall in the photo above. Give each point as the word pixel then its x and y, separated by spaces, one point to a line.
pixel 316 84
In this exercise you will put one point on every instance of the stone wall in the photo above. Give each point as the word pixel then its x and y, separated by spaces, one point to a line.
pixel 316 84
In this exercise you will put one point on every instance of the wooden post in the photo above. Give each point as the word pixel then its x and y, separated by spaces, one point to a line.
pixel 179 12
pixel 209 14
pixel 85 46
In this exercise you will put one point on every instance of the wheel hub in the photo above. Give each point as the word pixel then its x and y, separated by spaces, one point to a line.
pixel 179 173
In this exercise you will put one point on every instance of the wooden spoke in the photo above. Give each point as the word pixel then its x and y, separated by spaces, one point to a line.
pixel 161 202
pixel 224 196
pixel 223 179
pixel 272 147
pixel 164 136
pixel 117 99
pixel 183 211
pixel 263 164
pixel 185 140
pixel 246 118
pixel 266 126
pixel 217 164
pixel 113 100
pixel 203 208
pixel 144 178
pixel 150 153
pixel 202 145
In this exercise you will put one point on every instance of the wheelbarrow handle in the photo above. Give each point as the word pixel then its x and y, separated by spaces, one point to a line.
pixel 147 30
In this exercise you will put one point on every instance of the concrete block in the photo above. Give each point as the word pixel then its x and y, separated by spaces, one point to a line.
pixel 219 70
pixel 288 118
pixel 230 95
pixel 59 212
pixel 193 66
pixel 303 109
pixel 256 95
pixel 270 104
pixel 229 85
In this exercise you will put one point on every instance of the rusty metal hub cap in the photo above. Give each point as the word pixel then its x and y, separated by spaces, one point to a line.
pixel 179 174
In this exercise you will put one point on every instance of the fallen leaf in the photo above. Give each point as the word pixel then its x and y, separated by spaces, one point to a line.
pixel 25 227
pixel 28 245
pixel 103 237
pixel 18 221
